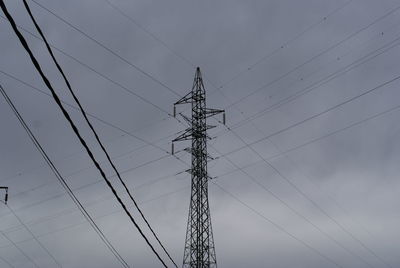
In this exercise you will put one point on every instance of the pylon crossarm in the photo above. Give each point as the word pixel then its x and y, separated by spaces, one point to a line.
pixel 187 135
pixel 185 99
pixel 211 112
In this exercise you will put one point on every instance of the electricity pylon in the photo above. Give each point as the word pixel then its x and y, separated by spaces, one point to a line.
pixel 199 245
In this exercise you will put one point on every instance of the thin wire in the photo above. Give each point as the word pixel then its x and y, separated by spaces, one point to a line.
pixel 29 230
pixel 317 114
pixel 316 227
pixel 19 249
pixel 252 92
pixel 284 45
pixel 67 116
pixel 279 227
pixel 47 218
pixel 99 217
pixel 62 181
pixel 341 71
pixel 294 186
pixel 107 48
pixel 138 25
pixel 357 123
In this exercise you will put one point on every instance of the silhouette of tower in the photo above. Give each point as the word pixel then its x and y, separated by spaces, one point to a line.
pixel 199 245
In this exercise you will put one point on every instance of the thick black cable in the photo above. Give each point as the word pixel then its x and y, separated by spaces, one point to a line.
pixel 93 130
pixel 61 179
pixel 75 129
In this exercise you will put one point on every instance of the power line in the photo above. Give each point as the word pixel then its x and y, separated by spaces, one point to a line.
pixel 67 116
pixel 88 204
pixel 29 230
pixel 141 27
pixel 360 61
pixel 147 74
pixel 294 186
pixel 19 249
pixel 279 227
pixel 316 227
pixel 252 92
pixel 97 218
pixel 357 123
pixel 94 131
pixel 62 180
pixel 317 114
pixel 284 45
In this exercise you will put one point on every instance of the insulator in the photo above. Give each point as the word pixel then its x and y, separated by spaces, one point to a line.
pixel 224 118
pixel 174 111
pixel 172 148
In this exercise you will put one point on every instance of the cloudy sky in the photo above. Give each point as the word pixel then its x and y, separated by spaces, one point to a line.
pixel 305 176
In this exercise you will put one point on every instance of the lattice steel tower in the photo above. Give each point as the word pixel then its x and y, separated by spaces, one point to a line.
pixel 199 245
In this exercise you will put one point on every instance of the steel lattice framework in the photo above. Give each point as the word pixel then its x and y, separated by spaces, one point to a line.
pixel 199 245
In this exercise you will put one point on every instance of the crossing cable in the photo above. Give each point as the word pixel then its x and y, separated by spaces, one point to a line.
pixel 294 186
pixel 316 227
pixel 314 57
pixel 330 48
pixel 104 77
pixel 277 226
pixel 307 143
pixel 342 40
pixel 344 70
pixel 357 123
pixel 62 194
pixel 83 65
pixel 141 27
pixel 61 179
pixel 97 218
pixel 325 51
pixel 248 145
pixel 95 202
pixel 19 249
pixel 332 108
pixel 331 133
pixel 284 45
pixel 88 204
pixel 75 129
pixel 94 131
pixel 29 230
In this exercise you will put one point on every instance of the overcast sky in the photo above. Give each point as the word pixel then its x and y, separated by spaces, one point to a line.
pixel 304 177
